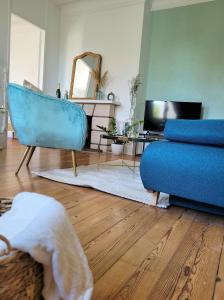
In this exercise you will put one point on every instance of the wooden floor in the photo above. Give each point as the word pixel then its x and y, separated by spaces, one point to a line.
pixel 135 251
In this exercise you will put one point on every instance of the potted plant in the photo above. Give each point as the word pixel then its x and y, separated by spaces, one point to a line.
pixel 118 142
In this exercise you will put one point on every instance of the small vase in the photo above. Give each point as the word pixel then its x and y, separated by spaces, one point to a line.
pixel 99 95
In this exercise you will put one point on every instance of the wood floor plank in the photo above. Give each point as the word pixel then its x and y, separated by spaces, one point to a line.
pixel 157 257
pixel 135 257
pixel 112 280
pixel 112 244
pixel 200 269
pixel 168 277
pixel 168 244
pixel 90 228
pixel 219 282
pixel 78 198
pixel 160 231
pixel 144 274
pixel 87 209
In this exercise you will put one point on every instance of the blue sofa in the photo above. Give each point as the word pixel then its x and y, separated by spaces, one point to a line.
pixel 189 165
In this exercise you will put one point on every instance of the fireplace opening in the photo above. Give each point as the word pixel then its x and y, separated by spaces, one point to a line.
pixel 88 135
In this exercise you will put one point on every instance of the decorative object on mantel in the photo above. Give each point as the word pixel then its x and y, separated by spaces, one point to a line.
pixel 132 124
pixel 111 96
pixel 58 91
pixel 66 95
pixel 100 83
pixel 83 84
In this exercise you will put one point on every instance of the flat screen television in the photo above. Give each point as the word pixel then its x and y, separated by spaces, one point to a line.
pixel 158 112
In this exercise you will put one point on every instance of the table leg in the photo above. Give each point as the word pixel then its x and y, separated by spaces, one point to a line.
pixel 122 157
pixel 135 147
pixel 99 156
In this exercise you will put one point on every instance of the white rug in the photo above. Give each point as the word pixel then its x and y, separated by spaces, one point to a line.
pixel 116 180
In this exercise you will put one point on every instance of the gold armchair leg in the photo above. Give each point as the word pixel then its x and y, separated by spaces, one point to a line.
pixel 23 159
pixel 74 162
pixel 30 155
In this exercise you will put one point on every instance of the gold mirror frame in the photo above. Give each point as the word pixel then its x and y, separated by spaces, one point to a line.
pixel 97 70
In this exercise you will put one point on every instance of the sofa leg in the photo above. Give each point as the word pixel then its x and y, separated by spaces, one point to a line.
pixel 23 159
pixel 155 197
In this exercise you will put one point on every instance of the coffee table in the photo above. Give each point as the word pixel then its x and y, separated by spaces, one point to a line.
pixel 135 140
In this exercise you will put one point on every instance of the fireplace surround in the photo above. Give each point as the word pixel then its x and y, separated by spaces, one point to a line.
pixel 101 112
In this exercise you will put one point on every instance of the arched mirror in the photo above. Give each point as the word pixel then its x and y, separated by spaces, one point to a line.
pixel 83 82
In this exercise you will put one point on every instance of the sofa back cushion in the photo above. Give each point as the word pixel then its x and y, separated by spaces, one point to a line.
pixel 204 132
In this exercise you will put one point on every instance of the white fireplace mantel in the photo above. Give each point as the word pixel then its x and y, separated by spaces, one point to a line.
pixel 91 101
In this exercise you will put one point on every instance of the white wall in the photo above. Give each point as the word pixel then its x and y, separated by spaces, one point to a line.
pixel 52 39
pixel 110 28
pixel 47 16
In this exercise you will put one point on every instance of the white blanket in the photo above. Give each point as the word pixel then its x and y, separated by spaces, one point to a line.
pixel 39 225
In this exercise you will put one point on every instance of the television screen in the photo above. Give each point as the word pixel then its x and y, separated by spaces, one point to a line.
pixel 157 112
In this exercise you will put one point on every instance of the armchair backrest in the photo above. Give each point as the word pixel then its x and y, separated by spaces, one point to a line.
pixel 44 121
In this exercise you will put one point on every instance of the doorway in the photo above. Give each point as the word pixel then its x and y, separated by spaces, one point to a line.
pixel 27 44
pixel 26 60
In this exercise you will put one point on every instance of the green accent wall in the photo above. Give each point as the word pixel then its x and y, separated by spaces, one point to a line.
pixel 185 57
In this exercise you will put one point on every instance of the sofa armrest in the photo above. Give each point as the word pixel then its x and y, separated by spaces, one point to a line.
pixel 204 132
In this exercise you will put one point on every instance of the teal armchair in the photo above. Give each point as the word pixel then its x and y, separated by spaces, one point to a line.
pixel 43 121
